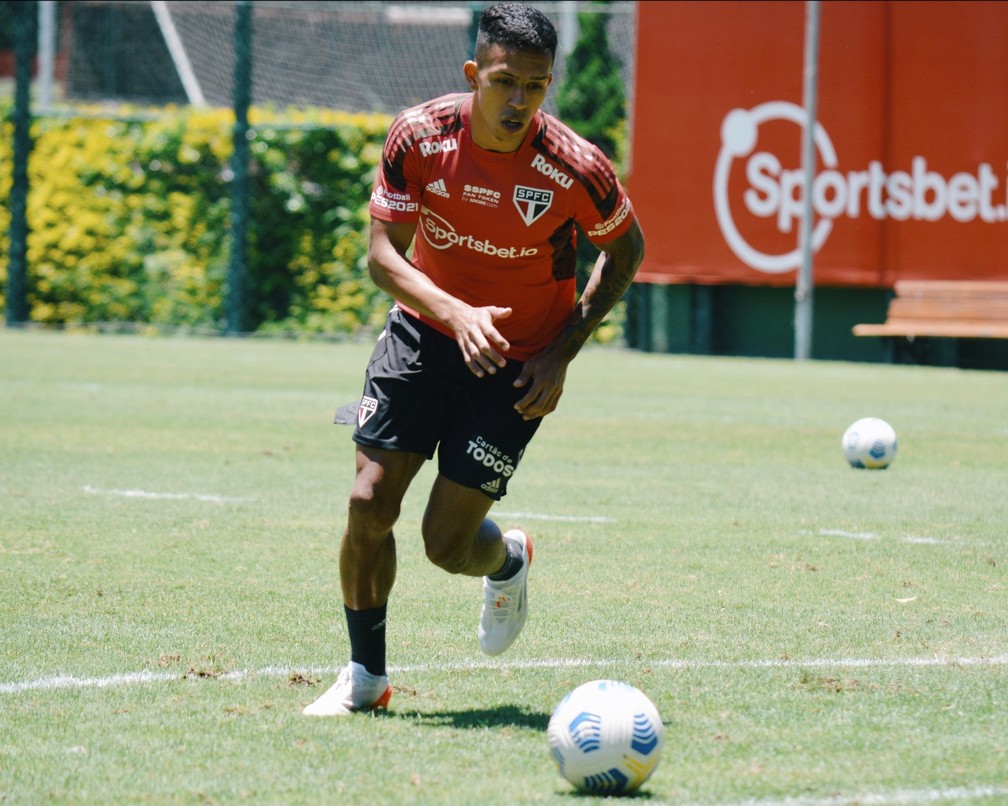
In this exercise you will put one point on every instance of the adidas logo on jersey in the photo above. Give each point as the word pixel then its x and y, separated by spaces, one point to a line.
pixel 491 486
pixel 438 188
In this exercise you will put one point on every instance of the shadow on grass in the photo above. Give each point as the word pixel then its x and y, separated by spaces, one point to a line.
pixel 501 717
pixel 505 716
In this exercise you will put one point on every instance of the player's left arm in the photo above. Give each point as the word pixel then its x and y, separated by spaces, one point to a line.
pixel 544 374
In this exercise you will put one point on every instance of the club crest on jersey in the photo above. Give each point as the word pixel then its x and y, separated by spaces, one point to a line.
pixel 532 203
pixel 368 405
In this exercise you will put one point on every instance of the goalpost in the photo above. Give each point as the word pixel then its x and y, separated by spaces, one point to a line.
pixel 178 53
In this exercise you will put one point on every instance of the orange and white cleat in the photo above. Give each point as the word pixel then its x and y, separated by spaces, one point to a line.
pixel 355 689
pixel 505 603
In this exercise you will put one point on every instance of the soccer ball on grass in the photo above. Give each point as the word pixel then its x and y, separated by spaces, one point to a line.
pixel 606 737
pixel 870 443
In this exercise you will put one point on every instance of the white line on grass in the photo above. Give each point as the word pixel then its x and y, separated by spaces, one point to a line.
pixel 673 663
pixel 845 533
pixel 216 499
pixel 538 516
pixel 70 681
pixel 930 541
pixel 222 499
pixel 899 796
pixel 131 678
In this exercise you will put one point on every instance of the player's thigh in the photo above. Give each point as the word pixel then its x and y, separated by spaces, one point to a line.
pixel 382 479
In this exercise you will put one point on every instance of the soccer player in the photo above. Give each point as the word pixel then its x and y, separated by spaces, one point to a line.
pixel 487 188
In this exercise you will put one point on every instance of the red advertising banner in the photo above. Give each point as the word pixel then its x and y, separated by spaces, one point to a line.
pixel 911 141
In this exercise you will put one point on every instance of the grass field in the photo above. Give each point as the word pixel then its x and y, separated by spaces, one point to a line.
pixel 811 634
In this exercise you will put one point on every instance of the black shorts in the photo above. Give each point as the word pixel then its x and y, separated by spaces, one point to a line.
pixel 419 396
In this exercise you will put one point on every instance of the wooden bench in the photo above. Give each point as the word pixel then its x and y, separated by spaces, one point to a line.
pixel 947 309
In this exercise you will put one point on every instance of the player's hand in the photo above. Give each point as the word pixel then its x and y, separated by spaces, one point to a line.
pixel 543 377
pixel 482 345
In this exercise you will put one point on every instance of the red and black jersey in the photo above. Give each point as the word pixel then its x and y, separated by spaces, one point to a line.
pixel 497 228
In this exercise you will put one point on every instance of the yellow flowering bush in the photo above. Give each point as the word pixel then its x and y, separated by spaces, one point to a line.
pixel 129 217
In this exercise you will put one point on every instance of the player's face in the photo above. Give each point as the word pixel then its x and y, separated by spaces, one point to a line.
pixel 508 89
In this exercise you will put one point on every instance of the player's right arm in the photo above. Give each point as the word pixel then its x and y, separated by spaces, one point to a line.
pixel 481 343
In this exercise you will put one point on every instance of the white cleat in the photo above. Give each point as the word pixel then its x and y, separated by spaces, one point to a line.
pixel 505 604
pixel 354 690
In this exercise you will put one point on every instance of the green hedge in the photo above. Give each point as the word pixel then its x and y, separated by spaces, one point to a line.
pixel 128 218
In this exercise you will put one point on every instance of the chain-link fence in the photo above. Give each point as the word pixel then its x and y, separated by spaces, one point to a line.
pixel 142 66
pixel 360 57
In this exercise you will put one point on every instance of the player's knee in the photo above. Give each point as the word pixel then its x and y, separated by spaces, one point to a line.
pixel 449 557
pixel 371 514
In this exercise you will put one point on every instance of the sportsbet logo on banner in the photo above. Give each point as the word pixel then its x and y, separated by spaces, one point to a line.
pixel 910 142
pixel 776 192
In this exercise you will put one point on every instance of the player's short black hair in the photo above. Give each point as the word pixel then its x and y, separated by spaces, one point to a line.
pixel 517 27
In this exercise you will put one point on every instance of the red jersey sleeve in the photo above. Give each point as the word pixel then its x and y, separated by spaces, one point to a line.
pixel 398 184
pixel 606 213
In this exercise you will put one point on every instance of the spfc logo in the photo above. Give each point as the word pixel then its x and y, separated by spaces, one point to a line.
pixel 532 203
pixel 366 410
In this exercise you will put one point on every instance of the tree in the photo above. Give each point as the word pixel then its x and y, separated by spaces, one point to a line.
pixel 592 101
pixel 592 98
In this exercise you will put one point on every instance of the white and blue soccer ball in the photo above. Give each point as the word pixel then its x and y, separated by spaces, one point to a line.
pixel 606 737
pixel 870 443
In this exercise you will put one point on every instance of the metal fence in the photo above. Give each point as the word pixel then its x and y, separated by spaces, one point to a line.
pixel 64 58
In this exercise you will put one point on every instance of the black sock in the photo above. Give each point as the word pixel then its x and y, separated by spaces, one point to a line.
pixel 512 562
pixel 367 637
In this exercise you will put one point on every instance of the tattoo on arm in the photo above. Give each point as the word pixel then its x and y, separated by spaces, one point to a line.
pixel 611 277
